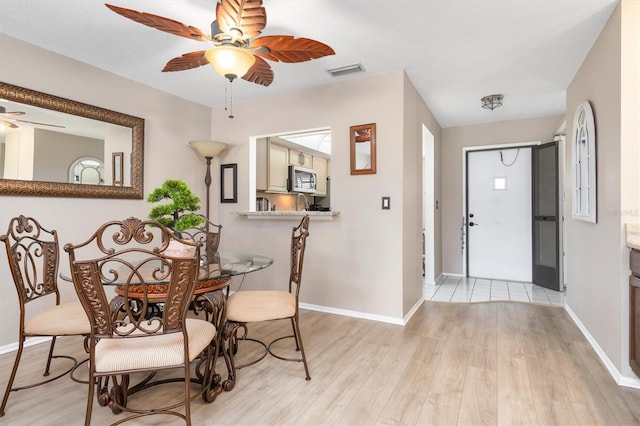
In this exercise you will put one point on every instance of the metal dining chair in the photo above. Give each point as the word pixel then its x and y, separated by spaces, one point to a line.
pixel 142 334
pixel 33 256
pixel 244 307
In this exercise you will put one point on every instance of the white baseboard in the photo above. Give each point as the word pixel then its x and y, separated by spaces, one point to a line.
pixel 355 314
pixel 448 274
pixel 412 311
pixel 12 347
pixel 630 382
pixel 434 282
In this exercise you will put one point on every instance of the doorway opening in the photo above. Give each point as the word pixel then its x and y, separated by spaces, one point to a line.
pixel 512 219
pixel 428 207
pixel 275 156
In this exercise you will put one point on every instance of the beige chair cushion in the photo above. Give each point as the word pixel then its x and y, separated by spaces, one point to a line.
pixel 61 320
pixel 154 351
pixel 256 306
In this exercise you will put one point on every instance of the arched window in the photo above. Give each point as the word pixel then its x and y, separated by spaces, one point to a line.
pixel 87 170
pixel 584 164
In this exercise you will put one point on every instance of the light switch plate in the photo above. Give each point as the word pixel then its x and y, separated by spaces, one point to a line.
pixel 386 203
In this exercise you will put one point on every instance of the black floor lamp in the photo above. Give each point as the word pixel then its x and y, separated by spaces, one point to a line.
pixel 209 150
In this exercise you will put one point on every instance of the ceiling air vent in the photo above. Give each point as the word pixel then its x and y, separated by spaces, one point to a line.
pixel 349 69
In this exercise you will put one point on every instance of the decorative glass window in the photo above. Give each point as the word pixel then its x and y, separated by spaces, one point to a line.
pixel 87 170
pixel 500 183
pixel 584 164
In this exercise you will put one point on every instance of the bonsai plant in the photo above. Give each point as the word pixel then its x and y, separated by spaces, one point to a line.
pixel 177 215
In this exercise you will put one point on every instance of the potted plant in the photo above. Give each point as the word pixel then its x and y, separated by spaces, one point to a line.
pixel 178 214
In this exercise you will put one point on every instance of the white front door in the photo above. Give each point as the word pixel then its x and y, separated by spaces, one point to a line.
pixel 499 214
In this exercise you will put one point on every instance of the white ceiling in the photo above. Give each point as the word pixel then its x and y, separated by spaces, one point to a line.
pixel 454 51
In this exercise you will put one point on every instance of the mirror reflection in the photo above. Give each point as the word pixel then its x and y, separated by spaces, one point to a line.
pixel 42 145
pixel 58 147
pixel 88 171
pixel 363 149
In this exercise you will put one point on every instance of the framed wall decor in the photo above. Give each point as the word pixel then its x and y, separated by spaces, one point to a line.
pixel 228 183
pixel 363 149
pixel 583 162
pixel 117 168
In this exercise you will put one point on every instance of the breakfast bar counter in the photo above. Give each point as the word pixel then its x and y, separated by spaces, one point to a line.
pixel 291 215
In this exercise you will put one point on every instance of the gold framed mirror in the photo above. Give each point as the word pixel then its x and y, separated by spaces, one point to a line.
pixel 363 149
pixel 33 117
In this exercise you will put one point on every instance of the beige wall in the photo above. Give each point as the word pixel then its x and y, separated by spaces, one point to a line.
pixel 454 139
pixel 597 263
pixel 417 113
pixel 54 152
pixel 169 123
pixel 355 262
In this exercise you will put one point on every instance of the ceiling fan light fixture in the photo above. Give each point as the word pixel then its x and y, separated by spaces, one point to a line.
pixel 492 101
pixel 229 61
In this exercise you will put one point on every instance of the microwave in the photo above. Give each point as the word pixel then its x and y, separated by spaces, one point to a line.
pixel 302 179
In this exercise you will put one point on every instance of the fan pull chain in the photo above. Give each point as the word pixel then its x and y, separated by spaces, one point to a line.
pixel 228 97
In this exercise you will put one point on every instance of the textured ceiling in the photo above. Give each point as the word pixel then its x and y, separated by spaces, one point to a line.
pixel 454 51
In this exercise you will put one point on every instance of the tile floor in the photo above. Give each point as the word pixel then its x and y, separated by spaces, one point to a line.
pixel 457 289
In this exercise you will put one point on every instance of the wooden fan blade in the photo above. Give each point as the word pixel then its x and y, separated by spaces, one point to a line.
pixel 186 62
pixel 11 113
pixel 246 15
pixel 161 23
pixel 41 124
pixel 7 124
pixel 363 135
pixel 259 73
pixel 289 49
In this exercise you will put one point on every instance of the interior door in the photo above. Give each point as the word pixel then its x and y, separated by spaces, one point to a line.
pixel 546 228
pixel 498 222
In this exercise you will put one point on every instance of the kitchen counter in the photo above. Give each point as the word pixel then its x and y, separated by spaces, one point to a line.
pixel 295 215
pixel 633 235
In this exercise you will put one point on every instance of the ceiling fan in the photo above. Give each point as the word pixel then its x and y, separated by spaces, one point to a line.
pixel 8 119
pixel 237 50
pixel 363 135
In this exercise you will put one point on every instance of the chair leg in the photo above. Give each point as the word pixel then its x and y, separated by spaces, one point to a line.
pixel 53 344
pixel 234 340
pixel 295 334
pixel 299 345
pixel 13 375
pixel 92 385
pixel 187 393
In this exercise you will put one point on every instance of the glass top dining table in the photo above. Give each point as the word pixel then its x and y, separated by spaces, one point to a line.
pixel 213 273
pixel 227 264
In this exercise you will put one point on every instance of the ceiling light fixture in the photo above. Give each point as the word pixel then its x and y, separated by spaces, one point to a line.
pixel 491 101
pixel 230 61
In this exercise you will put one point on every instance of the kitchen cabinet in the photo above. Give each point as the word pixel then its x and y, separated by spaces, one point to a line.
pixel 321 167
pixel 272 166
pixel 299 158
pixel 634 312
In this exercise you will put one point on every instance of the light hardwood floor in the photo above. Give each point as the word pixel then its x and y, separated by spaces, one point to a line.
pixel 494 363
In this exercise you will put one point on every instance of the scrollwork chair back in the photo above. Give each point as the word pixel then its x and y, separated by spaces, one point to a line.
pixel 144 334
pixel 33 254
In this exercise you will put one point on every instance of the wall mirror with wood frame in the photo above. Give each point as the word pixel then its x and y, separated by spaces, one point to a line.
pixel 42 136
pixel 363 149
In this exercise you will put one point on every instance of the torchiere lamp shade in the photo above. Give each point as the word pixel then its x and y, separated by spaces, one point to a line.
pixel 208 148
